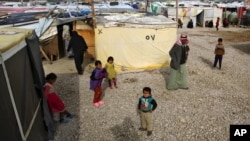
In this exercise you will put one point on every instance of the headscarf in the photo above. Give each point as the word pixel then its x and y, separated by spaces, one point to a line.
pixel 182 40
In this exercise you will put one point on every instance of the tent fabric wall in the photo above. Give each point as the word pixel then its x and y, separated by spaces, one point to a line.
pixel 135 48
pixel 39 81
pixel 8 130
pixel 19 92
pixel 212 14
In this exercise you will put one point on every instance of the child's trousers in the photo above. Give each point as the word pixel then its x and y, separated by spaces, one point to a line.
pixel 147 121
pixel 114 81
pixel 216 59
pixel 98 94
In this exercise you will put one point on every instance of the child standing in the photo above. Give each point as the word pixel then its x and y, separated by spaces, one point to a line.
pixel 110 67
pixel 96 82
pixel 219 52
pixel 55 104
pixel 217 23
pixel 146 106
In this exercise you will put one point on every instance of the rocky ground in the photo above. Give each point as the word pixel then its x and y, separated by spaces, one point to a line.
pixel 215 98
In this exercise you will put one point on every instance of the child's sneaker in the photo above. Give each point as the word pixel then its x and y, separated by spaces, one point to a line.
pixel 96 104
pixel 149 133
pixel 64 121
pixel 101 102
pixel 70 115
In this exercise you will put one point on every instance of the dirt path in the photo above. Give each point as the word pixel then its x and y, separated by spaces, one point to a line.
pixel 215 99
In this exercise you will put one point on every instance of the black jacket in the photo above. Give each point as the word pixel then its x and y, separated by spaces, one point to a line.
pixel 178 55
pixel 77 43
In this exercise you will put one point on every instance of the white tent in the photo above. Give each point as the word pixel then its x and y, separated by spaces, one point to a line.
pixel 135 41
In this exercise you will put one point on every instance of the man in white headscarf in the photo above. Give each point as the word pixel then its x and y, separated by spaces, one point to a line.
pixel 179 55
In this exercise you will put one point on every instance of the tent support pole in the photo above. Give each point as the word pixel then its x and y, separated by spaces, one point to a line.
pixel 12 98
pixel 93 13
pixel 33 119
pixel 177 14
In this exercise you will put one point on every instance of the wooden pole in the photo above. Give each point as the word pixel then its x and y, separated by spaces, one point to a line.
pixel 147 4
pixel 93 13
pixel 44 54
pixel 177 14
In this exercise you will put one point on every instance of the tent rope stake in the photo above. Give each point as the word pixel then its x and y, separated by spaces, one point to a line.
pixel 12 98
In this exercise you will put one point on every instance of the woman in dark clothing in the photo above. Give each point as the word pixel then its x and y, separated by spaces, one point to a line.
pixel 79 46
pixel 190 24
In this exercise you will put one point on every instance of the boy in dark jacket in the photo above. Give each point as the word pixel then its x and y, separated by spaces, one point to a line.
pixel 146 106
pixel 219 52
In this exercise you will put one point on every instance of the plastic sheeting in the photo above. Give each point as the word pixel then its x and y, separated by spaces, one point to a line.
pixel 135 48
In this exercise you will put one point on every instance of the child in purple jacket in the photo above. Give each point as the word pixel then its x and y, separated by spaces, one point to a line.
pixel 96 82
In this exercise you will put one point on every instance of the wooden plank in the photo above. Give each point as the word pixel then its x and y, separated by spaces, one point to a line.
pixel 44 54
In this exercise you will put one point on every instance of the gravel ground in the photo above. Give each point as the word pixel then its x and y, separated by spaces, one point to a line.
pixel 215 98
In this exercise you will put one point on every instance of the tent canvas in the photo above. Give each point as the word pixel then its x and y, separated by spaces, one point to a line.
pixel 139 43
pixel 199 15
pixel 21 95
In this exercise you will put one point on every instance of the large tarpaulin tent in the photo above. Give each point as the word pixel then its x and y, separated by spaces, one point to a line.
pixel 23 109
pixel 135 41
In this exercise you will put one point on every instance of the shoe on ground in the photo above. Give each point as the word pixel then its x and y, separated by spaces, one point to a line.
pixel 96 104
pixel 70 115
pixel 116 87
pixel 149 133
pixel 64 121
pixel 172 89
pixel 101 102
pixel 142 129
pixel 110 87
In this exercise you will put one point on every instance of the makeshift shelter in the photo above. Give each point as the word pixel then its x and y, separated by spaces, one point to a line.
pixel 136 41
pixel 50 36
pixel 209 14
pixel 199 15
pixel 24 110
pixel 185 14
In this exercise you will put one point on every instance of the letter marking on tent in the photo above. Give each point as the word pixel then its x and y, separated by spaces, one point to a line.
pixel 99 31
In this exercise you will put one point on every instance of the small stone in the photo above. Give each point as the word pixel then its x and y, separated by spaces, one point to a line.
pixel 183 120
